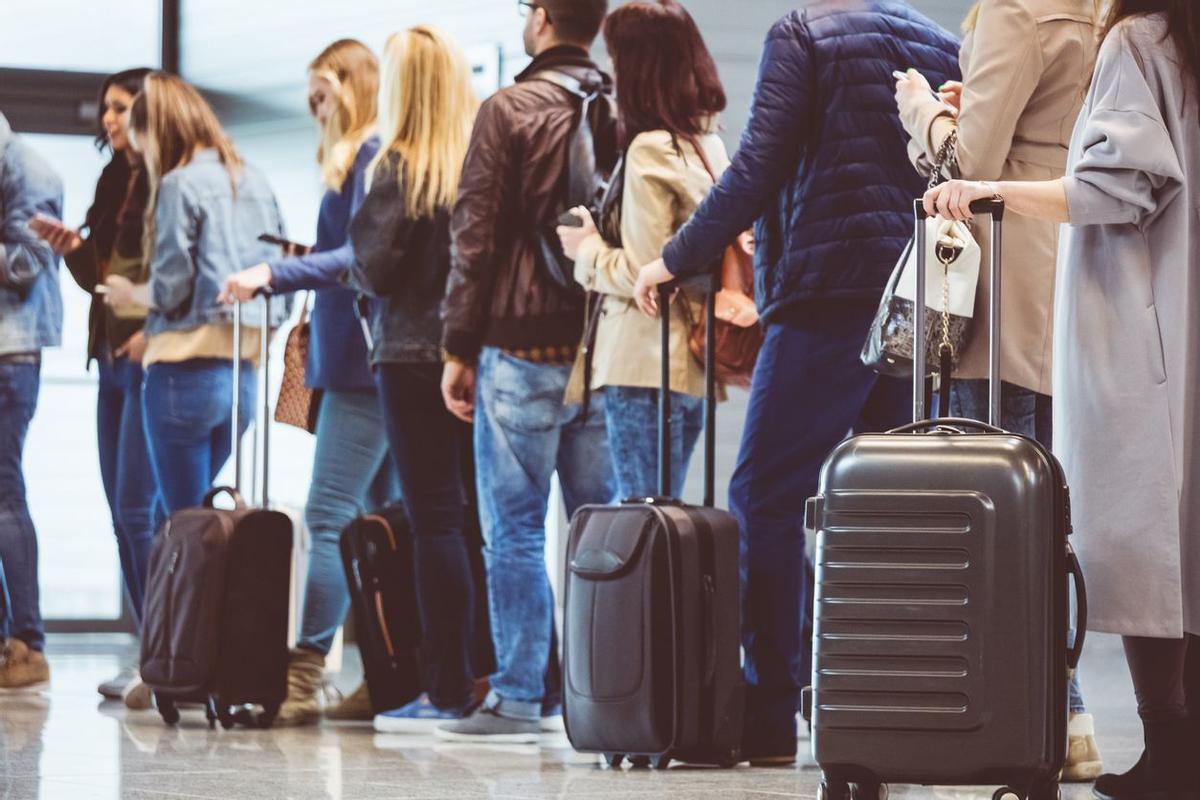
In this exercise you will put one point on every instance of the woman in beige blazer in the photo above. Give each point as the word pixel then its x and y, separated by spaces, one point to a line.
pixel 1025 65
pixel 668 94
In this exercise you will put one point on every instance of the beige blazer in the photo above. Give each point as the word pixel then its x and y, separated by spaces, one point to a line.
pixel 1025 74
pixel 663 186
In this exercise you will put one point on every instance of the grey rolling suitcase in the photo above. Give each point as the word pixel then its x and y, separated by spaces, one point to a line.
pixel 941 614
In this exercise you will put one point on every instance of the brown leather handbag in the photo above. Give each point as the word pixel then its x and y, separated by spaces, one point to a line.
pixel 738 336
pixel 297 405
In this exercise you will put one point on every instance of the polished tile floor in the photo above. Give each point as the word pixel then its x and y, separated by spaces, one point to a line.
pixel 66 744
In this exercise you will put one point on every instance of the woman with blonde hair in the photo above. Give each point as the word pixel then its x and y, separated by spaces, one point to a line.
pixel 205 211
pixel 401 239
pixel 351 468
pixel 1024 66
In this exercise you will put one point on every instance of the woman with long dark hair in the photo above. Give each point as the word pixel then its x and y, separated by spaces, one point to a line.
pixel 110 243
pixel 1127 363
pixel 668 98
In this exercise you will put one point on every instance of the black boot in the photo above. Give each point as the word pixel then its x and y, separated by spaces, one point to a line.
pixel 1161 773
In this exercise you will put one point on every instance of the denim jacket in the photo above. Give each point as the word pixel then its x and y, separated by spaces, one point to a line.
pixel 204 232
pixel 31 310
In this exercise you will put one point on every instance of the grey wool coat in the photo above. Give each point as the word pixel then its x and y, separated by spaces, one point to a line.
pixel 1127 333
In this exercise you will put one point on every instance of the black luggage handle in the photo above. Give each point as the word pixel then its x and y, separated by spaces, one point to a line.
pixel 1081 609
pixel 216 492
pixel 995 209
pixel 665 290
pixel 948 424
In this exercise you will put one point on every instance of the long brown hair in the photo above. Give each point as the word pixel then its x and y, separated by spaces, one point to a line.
pixel 170 122
pixel 666 76
pixel 426 109
pixel 1183 28
pixel 352 71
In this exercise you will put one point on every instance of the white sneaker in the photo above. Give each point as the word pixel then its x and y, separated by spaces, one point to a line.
pixel 114 688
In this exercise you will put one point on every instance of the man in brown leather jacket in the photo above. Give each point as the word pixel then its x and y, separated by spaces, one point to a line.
pixel 510 335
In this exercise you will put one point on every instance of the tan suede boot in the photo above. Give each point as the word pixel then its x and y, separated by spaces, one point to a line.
pixel 1083 756
pixel 355 708
pixel 306 670
pixel 22 669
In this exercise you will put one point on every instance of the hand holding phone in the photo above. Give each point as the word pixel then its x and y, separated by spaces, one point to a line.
pixel 899 75
pixel 290 248
pixel 55 233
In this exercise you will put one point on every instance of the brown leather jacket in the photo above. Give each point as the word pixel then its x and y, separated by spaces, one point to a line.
pixel 513 182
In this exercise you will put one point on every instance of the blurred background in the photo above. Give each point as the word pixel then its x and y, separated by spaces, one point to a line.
pixel 250 58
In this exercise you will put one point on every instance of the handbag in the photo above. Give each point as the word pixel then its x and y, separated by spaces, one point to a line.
pixel 737 336
pixel 953 260
pixel 297 405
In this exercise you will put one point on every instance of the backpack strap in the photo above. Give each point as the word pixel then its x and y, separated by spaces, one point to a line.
pixel 564 81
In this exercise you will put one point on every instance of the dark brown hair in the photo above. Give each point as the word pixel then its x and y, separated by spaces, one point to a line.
pixel 666 77
pixel 1183 27
pixel 575 21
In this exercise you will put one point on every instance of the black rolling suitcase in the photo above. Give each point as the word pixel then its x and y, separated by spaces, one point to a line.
pixel 943 569
pixel 215 622
pixel 651 632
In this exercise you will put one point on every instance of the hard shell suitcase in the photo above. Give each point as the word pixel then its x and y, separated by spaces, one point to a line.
pixel 215 622
pixel 941 613
pixel 651 628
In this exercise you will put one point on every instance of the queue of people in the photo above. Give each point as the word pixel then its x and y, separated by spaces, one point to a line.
pixel 482 376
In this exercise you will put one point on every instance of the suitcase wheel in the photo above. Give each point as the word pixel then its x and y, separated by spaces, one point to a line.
pixel 614 759
pixel 869 791
pixel 833 789
pixel 167 709
pixel 225 716
pixel 639 762
pixel 267 718
pixel 660 762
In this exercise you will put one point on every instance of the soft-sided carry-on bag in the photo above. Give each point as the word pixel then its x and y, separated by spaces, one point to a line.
pixel 943 575
pixel 214 628
pixel 651 648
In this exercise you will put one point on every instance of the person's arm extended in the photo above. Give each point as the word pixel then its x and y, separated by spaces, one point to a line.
pixel 487 172
pixel 1045 200
pixel 770 149
pixel 25 191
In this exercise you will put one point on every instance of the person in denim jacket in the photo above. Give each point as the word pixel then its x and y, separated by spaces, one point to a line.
pixel 30 319
pixel 206 213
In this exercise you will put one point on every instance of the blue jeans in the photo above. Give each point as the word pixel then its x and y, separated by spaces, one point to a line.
pixel 351 474
pixel 430 447
pixel 809 390
pixel 129 482
pixel 19 384
pixel 188 410
pixel 1028 413
pixel 631 414
pixel 523 433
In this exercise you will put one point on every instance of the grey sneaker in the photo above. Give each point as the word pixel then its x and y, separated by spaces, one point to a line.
pixel 114 688
pixel 485 726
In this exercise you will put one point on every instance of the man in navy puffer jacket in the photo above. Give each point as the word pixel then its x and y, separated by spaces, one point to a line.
pixel 822 168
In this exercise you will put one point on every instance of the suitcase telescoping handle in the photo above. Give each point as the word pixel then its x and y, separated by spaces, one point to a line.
pixel 665 291
pixel 995 209
pixel 264 346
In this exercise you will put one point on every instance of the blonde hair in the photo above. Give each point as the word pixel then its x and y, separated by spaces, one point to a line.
pixel 171 122
pixel 352 71
pixel 426 108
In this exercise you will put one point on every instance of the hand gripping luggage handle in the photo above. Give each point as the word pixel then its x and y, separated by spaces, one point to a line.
pixel 995 209
pixel 266 394
pixel 665 291
pixel 1081 609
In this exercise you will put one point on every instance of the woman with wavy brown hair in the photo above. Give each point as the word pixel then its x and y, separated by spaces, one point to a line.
pixel 1126 367
pixel 352 471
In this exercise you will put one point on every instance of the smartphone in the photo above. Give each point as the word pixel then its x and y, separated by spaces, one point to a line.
pixel 569 220
pixel 269 239
pixel 900 76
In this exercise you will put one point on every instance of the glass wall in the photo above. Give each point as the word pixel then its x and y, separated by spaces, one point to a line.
pixel 84 37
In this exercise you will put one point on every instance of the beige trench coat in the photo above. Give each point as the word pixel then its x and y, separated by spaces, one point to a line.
pixel 663 186
pixel 1127 327
pixel 1025 69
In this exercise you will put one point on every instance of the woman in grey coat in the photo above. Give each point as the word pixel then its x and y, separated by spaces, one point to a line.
pixel 1127 361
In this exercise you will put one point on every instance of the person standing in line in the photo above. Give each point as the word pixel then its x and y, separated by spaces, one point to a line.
pixel 510 334
pixel 1024 64
pixel 401 240
pixel 822 167
pixel 352 471
pixel 668 98
pixel 1126 371
pixel 207 208
pixel 113 246
pixel 31 317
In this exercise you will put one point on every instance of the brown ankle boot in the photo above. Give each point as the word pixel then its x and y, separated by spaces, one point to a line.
pixel 22 669
pixel 355 708
pixel 306 670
